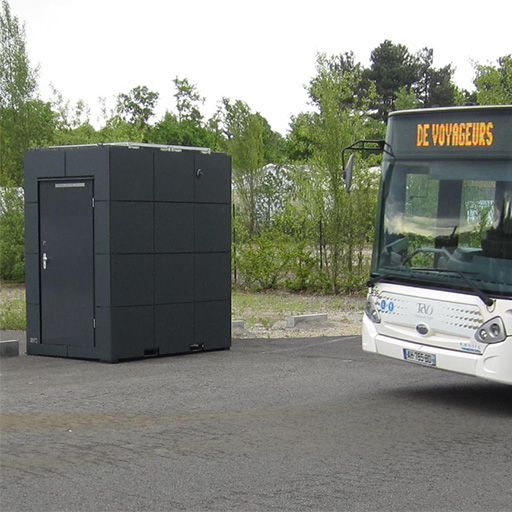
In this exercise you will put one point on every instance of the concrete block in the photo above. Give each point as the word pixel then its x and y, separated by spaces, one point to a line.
pixel 238 324
pixel 9 348
pixel 298 319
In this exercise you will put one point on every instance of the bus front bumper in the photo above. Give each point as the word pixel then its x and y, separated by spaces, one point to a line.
pixel 494 364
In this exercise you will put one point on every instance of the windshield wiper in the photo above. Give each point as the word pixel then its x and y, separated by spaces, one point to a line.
pixel 479 293
pixel 374 280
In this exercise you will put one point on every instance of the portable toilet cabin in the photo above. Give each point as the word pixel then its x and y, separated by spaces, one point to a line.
pixel 128 250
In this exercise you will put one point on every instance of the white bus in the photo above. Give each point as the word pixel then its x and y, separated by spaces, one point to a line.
pixel 440 292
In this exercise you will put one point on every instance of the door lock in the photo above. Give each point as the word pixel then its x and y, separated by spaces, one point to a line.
pixel 45 260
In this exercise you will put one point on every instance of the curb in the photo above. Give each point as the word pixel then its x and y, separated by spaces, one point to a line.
pixel 237 324
pixel 9 348
pixel 299 319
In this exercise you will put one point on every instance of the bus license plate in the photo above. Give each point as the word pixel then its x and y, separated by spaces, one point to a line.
pixel 419 357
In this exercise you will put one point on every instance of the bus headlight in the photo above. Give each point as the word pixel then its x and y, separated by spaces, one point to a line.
pixel 371 310
pixel 492 331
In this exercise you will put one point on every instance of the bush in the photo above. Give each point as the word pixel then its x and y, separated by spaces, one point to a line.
pixel 261 263
pixel 355 282
pixel 12 235
pixel 274 259
pixel 301 269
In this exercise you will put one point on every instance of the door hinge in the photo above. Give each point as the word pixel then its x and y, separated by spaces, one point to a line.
pixel 94 323
pixel 93 202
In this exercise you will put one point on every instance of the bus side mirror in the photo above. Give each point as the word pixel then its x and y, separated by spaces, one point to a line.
pixel 347 173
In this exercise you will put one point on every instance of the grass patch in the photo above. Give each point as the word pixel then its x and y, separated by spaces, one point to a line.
pixel 12 307
pixel 12 315
pixel 267 308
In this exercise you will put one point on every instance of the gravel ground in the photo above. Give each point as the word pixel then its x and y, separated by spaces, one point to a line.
pixel 339 323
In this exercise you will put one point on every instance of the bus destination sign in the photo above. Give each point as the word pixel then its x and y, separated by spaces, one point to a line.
pixel 455 134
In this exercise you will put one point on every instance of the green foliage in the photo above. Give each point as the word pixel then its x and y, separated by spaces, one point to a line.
pixel 187 100
pixel 167 131
pixel 300 145
pixel 12 232
pixel 330 228
pixel 276 259
pixel 396 72
pixel 25 121
pixel 13 314
pixel 344 74
pixel 433 87
pixel 259 263
pixel 137 106
pixel 494 84
pixel 392 68
pixel 17 78
pixel 187 127
pixel 245 145
pixel 295 224
pixel 323 193
pixel 72 125
pixel 406 99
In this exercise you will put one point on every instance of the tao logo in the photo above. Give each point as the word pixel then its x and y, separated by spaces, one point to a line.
pixel 425 309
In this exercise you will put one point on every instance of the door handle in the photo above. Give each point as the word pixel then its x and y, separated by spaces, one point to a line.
pixel 45 260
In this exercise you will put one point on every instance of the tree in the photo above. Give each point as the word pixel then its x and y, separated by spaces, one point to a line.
pixel 494 84
pixel 127 121
pixel 399 74
pixel 392 68
pixel 406 99
pixel 187 127
pixel 138 105
pixel 300 142
pixel 274 145
pixel 18 80
pixel 187 100
pixel 352 82
pixel 259 157
pixel 331 137
pixel 442 92
pixel 245 144
pixel 355 95
pixel 167 130
pixel 72 125
pixel 12 239
pixel 25 121
pixel 330 212
pixel 434 87
pixel 135 108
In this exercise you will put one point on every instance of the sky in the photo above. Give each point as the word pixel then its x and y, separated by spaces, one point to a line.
pixel 261 52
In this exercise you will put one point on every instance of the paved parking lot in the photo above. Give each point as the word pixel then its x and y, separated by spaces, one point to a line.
pixel 286 424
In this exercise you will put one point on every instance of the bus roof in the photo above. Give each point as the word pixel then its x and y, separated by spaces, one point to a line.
pixel 473 108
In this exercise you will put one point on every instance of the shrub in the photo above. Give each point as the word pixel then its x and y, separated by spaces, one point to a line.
pixel 261 263
pixel 12 235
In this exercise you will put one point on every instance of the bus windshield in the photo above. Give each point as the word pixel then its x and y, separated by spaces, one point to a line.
pixel 447 215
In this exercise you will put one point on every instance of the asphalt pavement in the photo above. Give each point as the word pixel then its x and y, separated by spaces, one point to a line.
pixel 278 424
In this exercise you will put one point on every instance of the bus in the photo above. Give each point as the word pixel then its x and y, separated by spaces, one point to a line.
pixel 440 290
